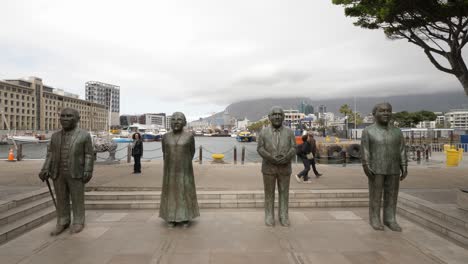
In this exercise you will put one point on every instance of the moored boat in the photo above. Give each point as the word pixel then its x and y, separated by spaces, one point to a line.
pixel 28 139
pixel 122 140
pixel 244 136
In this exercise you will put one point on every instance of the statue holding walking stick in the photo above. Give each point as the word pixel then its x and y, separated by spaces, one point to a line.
pixel 69 163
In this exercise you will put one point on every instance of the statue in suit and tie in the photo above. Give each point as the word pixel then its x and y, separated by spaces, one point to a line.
pixel 385 165
pixel 276 145
pixel 69 163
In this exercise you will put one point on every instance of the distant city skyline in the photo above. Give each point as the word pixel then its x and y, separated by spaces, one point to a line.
pixel 199 56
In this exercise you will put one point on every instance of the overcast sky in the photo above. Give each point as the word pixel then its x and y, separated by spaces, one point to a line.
pixel 199 56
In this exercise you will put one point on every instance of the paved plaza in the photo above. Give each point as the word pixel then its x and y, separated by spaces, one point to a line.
pixel 233 236
pixel 316 235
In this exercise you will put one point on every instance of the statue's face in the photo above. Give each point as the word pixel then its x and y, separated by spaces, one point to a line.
pixel 68 119
pixel 383 115
pixel 177 122
pixel 276 117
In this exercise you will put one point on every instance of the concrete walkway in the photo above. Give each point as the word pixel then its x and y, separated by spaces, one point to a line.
pixel 335 235
pixel 233 236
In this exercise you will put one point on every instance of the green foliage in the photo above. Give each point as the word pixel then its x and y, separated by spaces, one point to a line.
pixel 407 119
pixel 257 126
pixel 346 111
pixel 439 27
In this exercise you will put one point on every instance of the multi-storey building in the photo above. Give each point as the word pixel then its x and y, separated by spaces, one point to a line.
pixel 168 122
pixel 31 105
pixel 322 109
pixel 158 120
pixel 106 94
pixel 128 120
pixel 457 118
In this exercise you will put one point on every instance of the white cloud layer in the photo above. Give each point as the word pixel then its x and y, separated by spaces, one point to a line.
pixel 199 56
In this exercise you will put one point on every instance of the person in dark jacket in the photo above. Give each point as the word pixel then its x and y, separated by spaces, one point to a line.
pixel 137 152
pixel 308 147
pixel 313 150
pixel 303 176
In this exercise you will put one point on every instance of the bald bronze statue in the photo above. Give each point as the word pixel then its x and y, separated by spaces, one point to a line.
pixel 385 165
pixel 69 163
pixel 276 145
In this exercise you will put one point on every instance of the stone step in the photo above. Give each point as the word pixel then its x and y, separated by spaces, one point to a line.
pixel 226 203
pixel 21 199
pixel 435 224
pixel 24 210
pixel 226 195
pixel 447 213
pixel 23 225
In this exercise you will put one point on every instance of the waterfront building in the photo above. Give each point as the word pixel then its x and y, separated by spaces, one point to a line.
pixel 28 104
pixel 168 122
pixel 457 118
pixel 426 124
pixel 158 120
pixel 243 124
pixel 106 94
pixel 306 108
pixel 128 120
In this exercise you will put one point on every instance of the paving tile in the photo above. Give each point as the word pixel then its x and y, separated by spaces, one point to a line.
pixel 137 216
pixel 228 258
pixel 327 257
pixel 130 259
pixel 178 258
pixel 111 217
pixel 365 257
pixel 90 232
pixel 11 259
pixel 344 215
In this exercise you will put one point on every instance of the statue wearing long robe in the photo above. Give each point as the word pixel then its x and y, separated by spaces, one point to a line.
pixel 178 197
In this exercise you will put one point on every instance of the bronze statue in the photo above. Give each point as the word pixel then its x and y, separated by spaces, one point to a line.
pixel 178 198
pixel 69 163
pixel 385 165
pixel 276 145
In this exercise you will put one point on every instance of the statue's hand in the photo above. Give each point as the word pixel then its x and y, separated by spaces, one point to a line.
pixel 369 172
pixel 404 172
pixel 281 159
pixel 44 175
pixel 87 177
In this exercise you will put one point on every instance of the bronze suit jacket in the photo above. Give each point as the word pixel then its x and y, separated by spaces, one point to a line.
pixel 267 149
pixel 81 154
pixel 383 149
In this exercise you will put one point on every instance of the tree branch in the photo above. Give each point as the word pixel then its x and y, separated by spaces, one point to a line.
pixel 436 63
pixel 424 45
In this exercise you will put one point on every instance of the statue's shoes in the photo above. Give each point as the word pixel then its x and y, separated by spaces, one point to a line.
pixel 76 228
pixel 59 229
pixel 186 224
pixel 394 226
pixel 285 222
pixel 171 224
pixel 377 226
pixel 270 222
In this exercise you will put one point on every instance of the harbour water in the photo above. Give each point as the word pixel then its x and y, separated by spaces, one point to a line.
pixel 152 150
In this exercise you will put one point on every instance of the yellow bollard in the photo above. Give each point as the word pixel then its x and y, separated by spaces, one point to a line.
pixel 218 158
pixel 452 157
